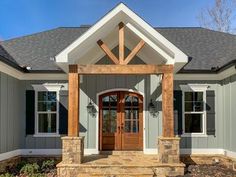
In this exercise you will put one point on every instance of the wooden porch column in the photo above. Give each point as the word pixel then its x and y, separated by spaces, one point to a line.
pixel 167 104
pixel 73 113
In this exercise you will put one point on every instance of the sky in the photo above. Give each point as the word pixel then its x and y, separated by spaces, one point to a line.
pixel 23 17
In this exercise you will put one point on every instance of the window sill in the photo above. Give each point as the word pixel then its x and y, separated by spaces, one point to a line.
pixel 46 135
pixel 194 135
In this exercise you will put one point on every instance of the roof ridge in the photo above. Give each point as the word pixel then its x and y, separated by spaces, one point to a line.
pixel 227 33
pixel 28 35
pixel 171 27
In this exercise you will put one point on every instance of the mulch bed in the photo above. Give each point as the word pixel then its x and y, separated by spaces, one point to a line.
pixel 216 170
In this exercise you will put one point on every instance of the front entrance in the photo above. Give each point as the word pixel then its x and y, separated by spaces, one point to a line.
pixel 121 121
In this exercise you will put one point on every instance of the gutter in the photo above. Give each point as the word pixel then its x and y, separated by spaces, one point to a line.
pixel 213 71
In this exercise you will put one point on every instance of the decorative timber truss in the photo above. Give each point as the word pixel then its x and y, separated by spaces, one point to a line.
pixel 121 60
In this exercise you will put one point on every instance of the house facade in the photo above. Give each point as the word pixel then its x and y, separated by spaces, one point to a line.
pixel 120 84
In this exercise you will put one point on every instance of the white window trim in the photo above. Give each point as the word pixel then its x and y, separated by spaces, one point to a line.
pixel 194 88
pixel 51 88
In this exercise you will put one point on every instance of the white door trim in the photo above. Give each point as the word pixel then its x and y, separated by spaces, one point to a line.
pixel 97 116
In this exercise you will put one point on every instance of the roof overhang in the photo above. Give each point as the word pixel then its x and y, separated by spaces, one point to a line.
pixel 157 50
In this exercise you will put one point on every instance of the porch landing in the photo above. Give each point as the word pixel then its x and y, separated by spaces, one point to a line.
pixel 125 164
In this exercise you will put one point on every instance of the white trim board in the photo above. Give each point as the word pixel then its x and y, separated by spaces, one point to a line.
pixel 10 154
pixel 97 115
pixel 42 152
pixel 51 152
pixel 31 76
pixel 63 76
pixel 219 76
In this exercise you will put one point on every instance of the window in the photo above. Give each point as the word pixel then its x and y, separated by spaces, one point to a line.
pixel 47 112
pixel 47 109
pixel 194 114
pixel 194 111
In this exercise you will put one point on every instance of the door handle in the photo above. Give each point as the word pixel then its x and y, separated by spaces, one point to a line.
pixel 122 127
pixel 118 129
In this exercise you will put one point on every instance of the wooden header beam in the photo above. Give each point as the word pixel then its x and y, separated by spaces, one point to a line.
pixel 125 69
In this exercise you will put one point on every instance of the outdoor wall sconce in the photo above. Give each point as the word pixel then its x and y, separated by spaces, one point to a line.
pixel 152 108
pixel 91 109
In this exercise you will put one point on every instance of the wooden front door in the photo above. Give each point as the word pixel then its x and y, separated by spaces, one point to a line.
pixel 121 121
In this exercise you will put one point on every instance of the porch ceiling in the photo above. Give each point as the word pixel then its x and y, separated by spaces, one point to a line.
pixel 157 49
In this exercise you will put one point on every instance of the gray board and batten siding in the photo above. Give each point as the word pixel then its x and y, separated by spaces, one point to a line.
pixel 12 111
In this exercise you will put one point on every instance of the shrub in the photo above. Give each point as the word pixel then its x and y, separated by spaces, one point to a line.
pixel 37 175
pixel 20 165
pixel 48 165
pixel 7 175
pixel 30 169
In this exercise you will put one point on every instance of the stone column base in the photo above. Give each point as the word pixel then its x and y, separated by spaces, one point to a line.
pixel 168 150
pixel 72 150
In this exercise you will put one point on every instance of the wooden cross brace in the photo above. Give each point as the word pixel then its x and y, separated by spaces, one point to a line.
pixel 122 60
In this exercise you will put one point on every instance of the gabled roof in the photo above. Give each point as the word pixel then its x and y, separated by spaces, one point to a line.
pixel 162 51
pixel 206 48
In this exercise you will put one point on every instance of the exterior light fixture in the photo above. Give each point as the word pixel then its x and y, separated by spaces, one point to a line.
pixel 152 108
pixel 91 108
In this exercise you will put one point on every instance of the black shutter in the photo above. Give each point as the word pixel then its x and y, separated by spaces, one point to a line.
pixel 210 110
pixel 63 112
pixel 30 111
pixel 178 111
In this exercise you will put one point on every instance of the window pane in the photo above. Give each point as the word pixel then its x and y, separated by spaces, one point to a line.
pixel 47 123
pixel 113 100
pixel 188 96
pixel 193 123
pixel 198 96
pixel 135 113
pixel 105 101
pixel 135 126
pixel 47 96
pixel 127 126
pixel 47 106
pixel 135 101
pixel 128 100
pixel 109 120
pixel 189 106
pixel 198 106
pixel 52 96
pixel 128 113
pixel 42 96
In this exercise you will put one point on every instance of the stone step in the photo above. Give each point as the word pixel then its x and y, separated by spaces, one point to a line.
pixel 110 171
pixel 121 152
pixel 102 170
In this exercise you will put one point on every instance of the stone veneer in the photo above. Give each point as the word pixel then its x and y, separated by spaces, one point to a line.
pixel 72 150
pixel 168 150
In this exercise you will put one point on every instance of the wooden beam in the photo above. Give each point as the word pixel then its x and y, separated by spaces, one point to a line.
pixel 107 51
pixel 138 47
pixel 73 107
pixel 124 69
pixel 167 105
pixel 121 42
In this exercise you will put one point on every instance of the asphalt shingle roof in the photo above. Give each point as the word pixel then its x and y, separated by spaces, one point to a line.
pixel 206 48
pixel 38 49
